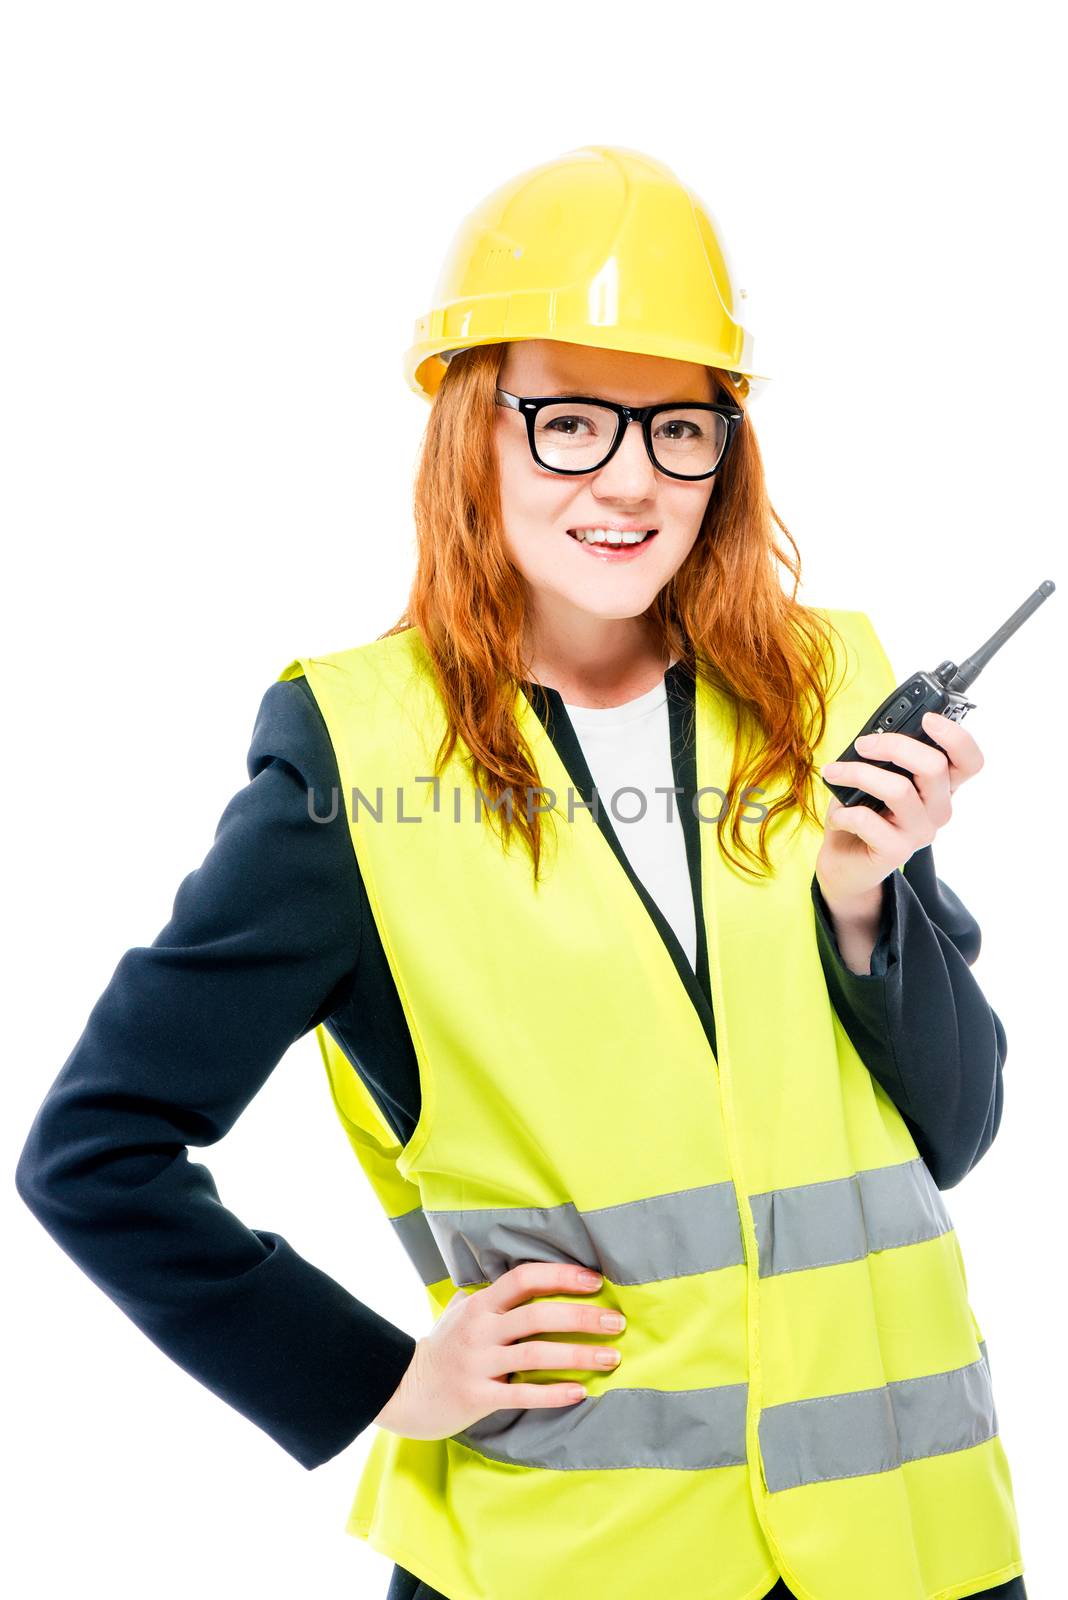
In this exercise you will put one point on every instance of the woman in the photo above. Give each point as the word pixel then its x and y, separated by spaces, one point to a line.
pixel 729 1067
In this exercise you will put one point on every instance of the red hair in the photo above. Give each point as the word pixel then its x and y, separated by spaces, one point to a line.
pixel 724 614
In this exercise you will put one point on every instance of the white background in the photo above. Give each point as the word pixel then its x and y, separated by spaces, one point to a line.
pixel 221 222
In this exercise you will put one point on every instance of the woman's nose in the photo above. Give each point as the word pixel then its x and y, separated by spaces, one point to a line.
pixel 630 474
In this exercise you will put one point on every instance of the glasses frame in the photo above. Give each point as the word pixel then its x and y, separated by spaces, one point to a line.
pixel 528 407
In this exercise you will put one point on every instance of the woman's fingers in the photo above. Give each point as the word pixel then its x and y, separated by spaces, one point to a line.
pixel 957 759
pixel 963 754
pixel 529 1278
pixel 559 1316
pixel 530 1355
pixel 910 810
pixel 865 824
pixel 544 1394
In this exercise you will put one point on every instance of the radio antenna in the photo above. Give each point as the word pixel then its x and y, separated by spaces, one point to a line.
pixel 957 678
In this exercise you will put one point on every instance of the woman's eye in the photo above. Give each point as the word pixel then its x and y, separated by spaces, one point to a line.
pixel 556 423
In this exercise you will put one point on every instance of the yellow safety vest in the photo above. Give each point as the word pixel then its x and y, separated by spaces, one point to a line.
pixel 804 1389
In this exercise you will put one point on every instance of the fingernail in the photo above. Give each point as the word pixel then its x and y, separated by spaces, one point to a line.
pixel 592 1278
pixel 614 1320
pixel 608 1358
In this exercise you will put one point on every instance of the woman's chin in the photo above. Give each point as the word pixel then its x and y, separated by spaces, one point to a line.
pixel 612 601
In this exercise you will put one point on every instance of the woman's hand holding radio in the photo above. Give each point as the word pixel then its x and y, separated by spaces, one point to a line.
pixel 459 1372
pixel 861 847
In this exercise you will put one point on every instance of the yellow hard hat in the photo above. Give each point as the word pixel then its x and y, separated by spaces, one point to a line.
pixel 603 246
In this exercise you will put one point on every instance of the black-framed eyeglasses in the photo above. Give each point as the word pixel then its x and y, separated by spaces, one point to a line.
pixel 576 433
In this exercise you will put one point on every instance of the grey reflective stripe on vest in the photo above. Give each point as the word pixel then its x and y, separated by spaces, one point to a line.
pixel 844 1219
pixel 686 1232
pixel 875 1430
pixel 682 1429
pixel 666 1236
pixel 414 1233
pixel 803 1441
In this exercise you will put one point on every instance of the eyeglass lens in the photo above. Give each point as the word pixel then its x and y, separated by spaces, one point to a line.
pixel 579 437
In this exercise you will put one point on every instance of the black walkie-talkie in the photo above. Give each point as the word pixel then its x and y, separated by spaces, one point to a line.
pixel 941 690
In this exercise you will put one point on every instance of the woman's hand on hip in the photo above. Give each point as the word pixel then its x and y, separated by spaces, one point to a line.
pixel 861 847
pixel 459 1372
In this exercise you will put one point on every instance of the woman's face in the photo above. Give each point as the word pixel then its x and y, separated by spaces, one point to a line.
pixel 541 508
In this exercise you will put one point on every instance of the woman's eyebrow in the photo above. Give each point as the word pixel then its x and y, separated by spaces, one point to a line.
pixel 592 394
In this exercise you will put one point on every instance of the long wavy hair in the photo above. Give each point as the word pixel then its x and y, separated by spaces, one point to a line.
pixel 723 614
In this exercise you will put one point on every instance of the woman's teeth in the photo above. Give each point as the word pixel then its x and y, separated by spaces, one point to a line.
pixel 609 535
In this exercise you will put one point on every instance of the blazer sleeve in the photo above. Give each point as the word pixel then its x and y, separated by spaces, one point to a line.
pixel 920 1021
pixel 262 944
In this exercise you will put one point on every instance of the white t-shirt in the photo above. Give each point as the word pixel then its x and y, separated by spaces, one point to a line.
pixel 628 747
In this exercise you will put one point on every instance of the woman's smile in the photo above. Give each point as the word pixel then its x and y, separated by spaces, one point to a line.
pixel 613 544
